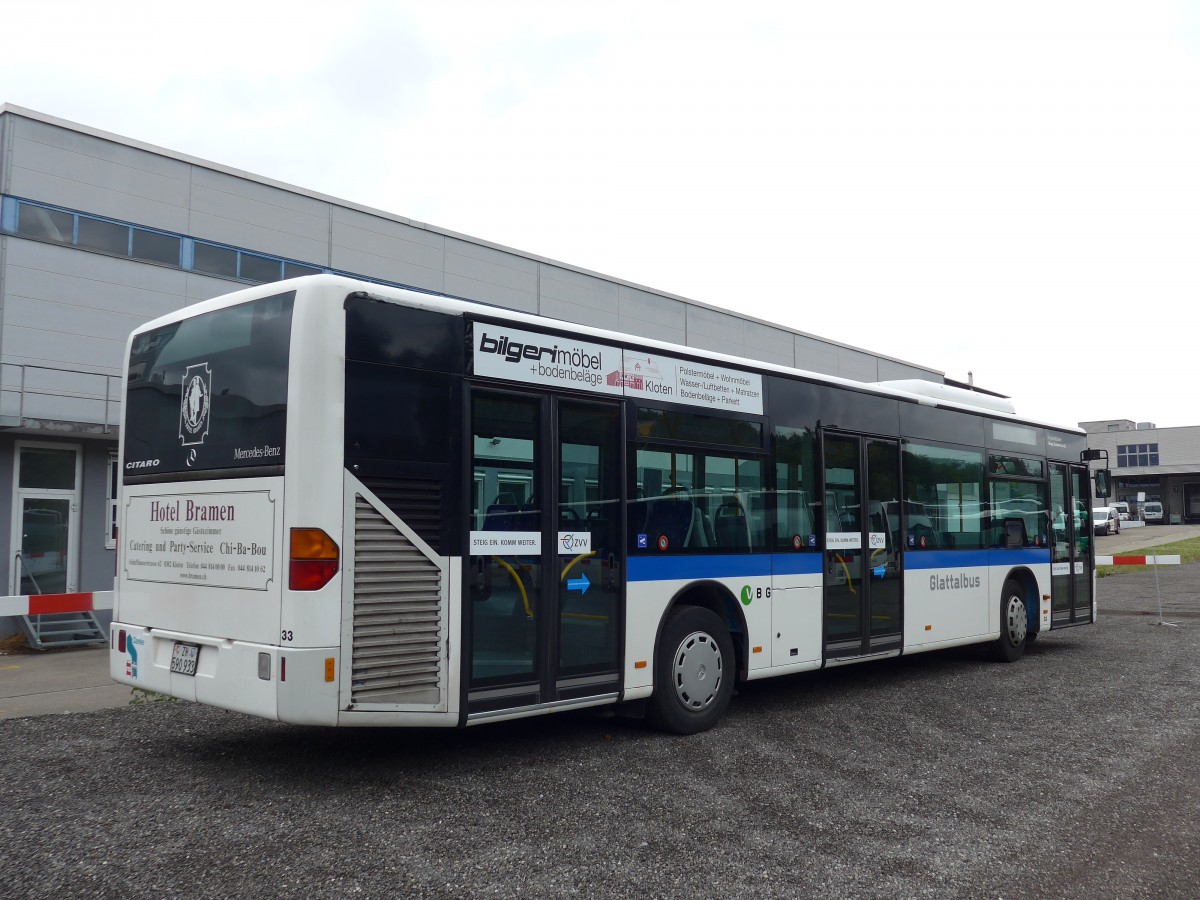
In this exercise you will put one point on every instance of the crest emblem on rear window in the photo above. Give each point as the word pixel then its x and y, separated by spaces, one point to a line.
pixel 195 404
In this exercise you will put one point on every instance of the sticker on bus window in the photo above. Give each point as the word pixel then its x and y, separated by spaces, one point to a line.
pixel 663 543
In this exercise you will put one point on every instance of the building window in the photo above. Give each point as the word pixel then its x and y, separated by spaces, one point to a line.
pixel 1131 455
pixel 295 270
pixel 154 246
pixel 107 237
pixel 214 260
pixel 63 226
pixel 259 269
pixel 45 224
pixel 110 536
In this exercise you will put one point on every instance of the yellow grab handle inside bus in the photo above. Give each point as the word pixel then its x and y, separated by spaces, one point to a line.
pixel 567 568
pixel 520 586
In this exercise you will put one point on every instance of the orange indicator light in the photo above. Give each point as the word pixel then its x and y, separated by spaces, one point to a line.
pixel 329 668
pixel 640 664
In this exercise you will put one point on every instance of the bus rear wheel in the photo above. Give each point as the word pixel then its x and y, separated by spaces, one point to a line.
pixel 1014 624
pixel 693 672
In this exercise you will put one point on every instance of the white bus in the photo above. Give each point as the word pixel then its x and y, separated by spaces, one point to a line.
pixel 350 504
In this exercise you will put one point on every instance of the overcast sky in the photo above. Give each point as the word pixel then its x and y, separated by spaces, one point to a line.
pixel 1009 189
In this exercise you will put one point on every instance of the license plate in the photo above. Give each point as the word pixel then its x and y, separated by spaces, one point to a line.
pixel 184 658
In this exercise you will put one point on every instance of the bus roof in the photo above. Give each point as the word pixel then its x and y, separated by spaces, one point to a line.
pixel 912 390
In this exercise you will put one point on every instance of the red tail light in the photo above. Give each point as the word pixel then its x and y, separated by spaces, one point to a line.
pixel 314 559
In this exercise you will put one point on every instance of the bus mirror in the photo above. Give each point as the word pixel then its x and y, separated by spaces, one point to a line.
pixel 1102 478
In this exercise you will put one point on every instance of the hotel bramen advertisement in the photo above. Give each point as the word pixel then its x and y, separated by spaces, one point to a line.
pixel 581 366
pixel 212 540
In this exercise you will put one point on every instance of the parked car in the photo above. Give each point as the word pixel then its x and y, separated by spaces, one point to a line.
pixel 1152 512
pixel 1105 520
pixel 1122 509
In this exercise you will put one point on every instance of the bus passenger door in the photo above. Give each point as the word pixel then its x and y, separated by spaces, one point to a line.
pixel 546 551
pixel 863 561
pixel 1071 546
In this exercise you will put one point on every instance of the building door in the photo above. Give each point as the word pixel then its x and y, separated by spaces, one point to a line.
pixel 1071 546
pixel 546 550
pixel 44 556
pixel 863 559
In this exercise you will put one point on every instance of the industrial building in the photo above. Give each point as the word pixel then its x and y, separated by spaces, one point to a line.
pixel 1151 463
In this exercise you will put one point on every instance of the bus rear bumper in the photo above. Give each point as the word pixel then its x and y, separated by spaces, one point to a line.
pixel 234 675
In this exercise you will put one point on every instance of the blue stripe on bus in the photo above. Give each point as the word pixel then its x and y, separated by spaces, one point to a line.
pixel 684 568
pixel 950 559
pixel 679 568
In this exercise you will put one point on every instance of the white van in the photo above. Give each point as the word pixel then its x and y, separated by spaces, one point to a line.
pixel 1122 509
pixel 1152 512
pixel 1105 520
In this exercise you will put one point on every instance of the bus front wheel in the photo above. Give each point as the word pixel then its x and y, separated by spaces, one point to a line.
pixel 693 672
pixel 1014 624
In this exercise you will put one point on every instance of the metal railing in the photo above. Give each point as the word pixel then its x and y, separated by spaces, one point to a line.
pixel 35 382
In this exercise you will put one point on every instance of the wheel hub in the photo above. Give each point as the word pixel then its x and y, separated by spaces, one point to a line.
pixel 697 670
pixel 1016 621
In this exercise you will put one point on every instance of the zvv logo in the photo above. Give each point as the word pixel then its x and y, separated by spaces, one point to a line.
pixel 195 404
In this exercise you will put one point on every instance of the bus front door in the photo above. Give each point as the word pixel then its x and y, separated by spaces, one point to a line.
pixel 544 595
pixel 1071 546
pixel 863 562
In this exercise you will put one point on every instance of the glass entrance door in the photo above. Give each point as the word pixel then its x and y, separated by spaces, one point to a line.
pixel 44 563
pixel 1071 546
pixel 546 550
pixel 863 562
pixel 43 558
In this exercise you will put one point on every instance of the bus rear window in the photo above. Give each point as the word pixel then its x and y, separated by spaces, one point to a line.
pixel 210 392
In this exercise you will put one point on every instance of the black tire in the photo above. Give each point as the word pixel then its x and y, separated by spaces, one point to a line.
pixel 694 670
pixel 1014 624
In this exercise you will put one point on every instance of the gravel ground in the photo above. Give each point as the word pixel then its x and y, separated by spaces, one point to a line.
pixel 1071 774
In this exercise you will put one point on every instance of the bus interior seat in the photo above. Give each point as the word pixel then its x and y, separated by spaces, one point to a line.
pixel 1014 534
pixel 671 516
pixel 732 526
pixel 701 534
pixel 924 531
pixel 499 517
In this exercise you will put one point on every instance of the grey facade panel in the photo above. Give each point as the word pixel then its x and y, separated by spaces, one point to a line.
pixel 814 355
pixel 492 276
pixel 652 315
pixel 78 171
pixel 770 344
pixel 717 331
pixel 204 287
pixel 896 371
pixel 61 291
pixel 391 251
pixel 244 213
pixel 37 347
pixel 857 366
pixel 577 297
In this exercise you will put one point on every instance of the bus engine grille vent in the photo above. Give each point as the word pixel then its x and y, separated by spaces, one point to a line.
pixel 397 616
pixel 417 501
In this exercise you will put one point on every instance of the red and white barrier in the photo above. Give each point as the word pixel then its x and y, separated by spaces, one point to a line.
pixel 48 604
pixel 1137 561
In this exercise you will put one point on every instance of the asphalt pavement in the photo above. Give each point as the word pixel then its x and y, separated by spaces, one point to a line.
pixel 1072 773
